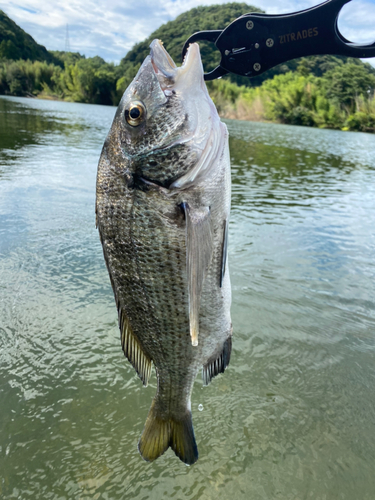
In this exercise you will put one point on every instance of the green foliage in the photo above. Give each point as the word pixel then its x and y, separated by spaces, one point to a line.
pixel 25 77
pixel 8 50
pixel 89 80
pixel 214 17
pixel 320 65
pixel 224 94
pixel 15 43
pixel 300 98
pixel 363 119
pixel 175 33
pixel 289 98
pixel 127 76
pixel 321 91
pixel 347 82
pixel 360 121
pixel 62 58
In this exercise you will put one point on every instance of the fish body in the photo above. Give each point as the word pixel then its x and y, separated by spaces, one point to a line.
pixel 162 207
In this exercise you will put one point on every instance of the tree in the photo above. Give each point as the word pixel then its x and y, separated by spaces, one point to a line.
pixel 347 82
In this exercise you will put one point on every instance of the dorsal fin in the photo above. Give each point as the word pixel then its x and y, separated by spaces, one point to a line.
pixel 199 246
pixel 133 350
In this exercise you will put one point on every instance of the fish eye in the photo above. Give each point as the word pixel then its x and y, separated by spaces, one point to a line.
pixel 135 113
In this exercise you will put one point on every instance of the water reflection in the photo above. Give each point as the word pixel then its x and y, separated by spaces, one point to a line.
pixel 26 122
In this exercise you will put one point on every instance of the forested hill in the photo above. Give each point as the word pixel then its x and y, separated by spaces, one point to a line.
pixel 16 44
pixel 174 34
pixel 321 91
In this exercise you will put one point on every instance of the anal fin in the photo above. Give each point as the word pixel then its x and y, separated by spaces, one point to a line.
pixel 133 350
pixel 199 248
pixel 217 364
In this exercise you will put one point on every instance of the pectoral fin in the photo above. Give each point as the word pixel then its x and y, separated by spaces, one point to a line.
pixel 224 252
pixel 199 247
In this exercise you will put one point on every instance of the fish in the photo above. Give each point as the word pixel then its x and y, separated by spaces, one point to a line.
pixel 162 209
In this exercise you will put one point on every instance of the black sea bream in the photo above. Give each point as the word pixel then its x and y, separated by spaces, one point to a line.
pixel 163 201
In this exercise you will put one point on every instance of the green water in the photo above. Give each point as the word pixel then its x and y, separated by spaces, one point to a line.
pixel 293 417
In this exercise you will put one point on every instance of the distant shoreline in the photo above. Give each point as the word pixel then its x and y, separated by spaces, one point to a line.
pixel 226 114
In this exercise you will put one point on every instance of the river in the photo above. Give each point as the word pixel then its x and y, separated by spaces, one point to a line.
pixel 292 418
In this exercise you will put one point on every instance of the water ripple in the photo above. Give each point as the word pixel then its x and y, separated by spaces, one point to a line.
pixel 293 415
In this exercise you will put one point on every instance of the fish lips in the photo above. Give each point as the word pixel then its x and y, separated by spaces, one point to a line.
pixel 183 78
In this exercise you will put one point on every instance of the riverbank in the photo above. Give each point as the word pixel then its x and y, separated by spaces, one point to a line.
pixel 341 99
pixel 298 99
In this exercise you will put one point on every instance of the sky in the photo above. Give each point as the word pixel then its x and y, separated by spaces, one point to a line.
pixel 109 29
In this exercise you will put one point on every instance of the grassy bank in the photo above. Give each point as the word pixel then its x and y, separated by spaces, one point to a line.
pixel 343 99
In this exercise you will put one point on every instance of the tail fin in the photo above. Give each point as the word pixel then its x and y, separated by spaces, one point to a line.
pixel 159 434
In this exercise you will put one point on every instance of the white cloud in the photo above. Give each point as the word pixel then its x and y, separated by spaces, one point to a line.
pixel 111 28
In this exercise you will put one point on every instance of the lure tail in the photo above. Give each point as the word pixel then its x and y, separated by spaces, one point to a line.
pixel 161 433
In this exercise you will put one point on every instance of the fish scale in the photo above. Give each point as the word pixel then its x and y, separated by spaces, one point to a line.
pixel 163 199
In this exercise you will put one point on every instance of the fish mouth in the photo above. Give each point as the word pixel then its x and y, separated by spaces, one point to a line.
pixel 161 61
pixel 202 128
pixel 166 70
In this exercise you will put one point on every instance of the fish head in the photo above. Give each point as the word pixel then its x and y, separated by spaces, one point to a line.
pixel 165 117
